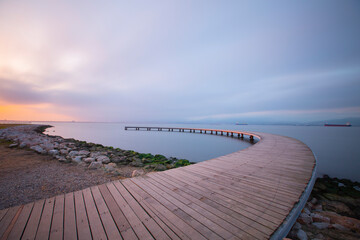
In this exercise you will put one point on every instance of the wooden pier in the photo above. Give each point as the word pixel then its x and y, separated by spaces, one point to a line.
pixel 255 193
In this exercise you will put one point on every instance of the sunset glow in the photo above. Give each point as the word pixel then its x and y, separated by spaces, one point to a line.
pixel 171 61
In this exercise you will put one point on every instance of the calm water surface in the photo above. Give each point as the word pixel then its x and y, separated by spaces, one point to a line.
pixel 337 148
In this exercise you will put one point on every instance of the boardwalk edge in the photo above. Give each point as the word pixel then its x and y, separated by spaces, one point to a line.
pixel 289 221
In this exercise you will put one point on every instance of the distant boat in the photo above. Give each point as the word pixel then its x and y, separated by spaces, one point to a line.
pixel 241 123
pixel 337 125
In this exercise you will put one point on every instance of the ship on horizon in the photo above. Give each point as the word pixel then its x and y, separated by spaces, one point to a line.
pixel 241 123
pixel 337 125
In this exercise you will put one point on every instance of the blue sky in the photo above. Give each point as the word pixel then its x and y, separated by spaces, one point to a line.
pixel 208 61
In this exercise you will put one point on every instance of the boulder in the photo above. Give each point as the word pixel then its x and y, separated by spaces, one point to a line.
pixel 110 167
pixel 319 218
pixel 137 173
pixel 77 159
pixel 160 167
pixel 38 149
pixel 321 225
pixel 301 235
pixel 117 159
pixel 84 153
pixel 103 159
pixel 348 222
pixel 89 160
pixel 95 165
pixel 22 145
pixel 53 152
pixel 304 219
pixel 13 145
pixel 64 151
pixel 338 207
pixel 73 153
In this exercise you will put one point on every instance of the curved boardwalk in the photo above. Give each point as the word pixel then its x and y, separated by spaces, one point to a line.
pixel 250 194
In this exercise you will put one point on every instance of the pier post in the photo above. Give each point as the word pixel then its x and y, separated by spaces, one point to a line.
pixel 251 138
pixel 222 133
pixel 200 131
pixel 227 133
pixel 242 135
pixel 216 132
pixel 211 132
pixel 205 131
pixel 238 135
pixel 232 134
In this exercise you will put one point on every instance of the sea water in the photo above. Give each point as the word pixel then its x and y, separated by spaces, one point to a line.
pixel 337 148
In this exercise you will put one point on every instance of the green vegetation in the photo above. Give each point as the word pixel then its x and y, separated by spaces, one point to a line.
pixel 2 126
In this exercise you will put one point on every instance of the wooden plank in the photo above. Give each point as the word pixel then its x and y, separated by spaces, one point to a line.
pixel 56 232
pixel 21 222
pixel 70 231
pixel 167 227
pixel 45 221
pixel 3 212
pixel 116 213
pixel 156 231
pixel 96 227
pixel 165 214
pixel 112 231
pixel 33 223
pixel 204 209
pixel 138 227
pixel 201 224
pixel 82 222
pixel 6 220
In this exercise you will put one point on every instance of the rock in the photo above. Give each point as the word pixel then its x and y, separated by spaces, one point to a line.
pixel 117 159
pixel 348 222
pixel 136 163
pixel 60 158
pixel 338 227
pixel 96 154
pixel 22 145
pixel 306 211
pixel 53 152
pixel 297 226
pixel 89 160
pixel 301 235
pixel 64 151
pixel 103 159
pixel 319 218
pixel 73 153
pixel 95 165
pixel 110 167
pixel 338 207
pixel 341 185
pixel 77 159
pixel 313 201
pixel 321 225
pixel 357 188
pixel 304 219
pixel 160 167
pixel 38 149
pixel 137 173
pixel 13 145
pixel 318 207
pixel 84 153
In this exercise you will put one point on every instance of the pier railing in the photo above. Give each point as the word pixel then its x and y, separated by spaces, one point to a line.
pixel 229 133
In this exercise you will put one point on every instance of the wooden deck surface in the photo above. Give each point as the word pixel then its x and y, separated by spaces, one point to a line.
pixel 242 195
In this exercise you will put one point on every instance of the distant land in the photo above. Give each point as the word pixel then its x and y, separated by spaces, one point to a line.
pixel 355 122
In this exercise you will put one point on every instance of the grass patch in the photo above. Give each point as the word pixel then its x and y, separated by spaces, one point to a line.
pixel 2 126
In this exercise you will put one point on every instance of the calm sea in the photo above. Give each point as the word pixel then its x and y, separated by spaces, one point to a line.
pixel 337 148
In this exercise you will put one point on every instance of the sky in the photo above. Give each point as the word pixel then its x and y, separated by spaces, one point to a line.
pixel 179 61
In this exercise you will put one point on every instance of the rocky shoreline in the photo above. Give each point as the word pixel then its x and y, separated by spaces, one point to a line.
pixel 89 155
pixel 332 211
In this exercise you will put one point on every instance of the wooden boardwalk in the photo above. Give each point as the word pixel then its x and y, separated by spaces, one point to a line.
pixel 250 194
